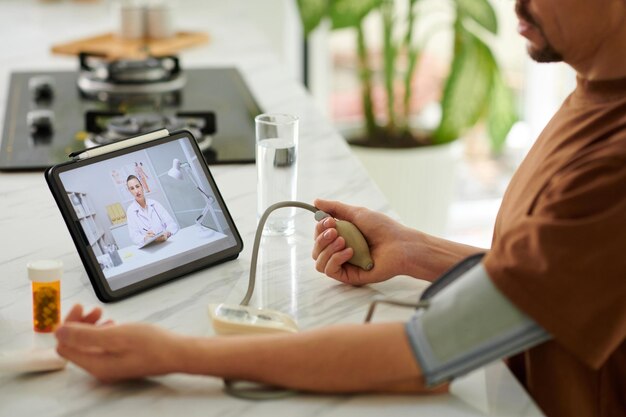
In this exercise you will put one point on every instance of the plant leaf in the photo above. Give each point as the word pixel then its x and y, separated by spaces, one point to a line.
pixel 502 114
pixel 480 11
pixel 467 88
pixel 349 13
pixel 311 13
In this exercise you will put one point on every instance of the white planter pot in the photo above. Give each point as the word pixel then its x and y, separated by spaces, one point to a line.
pixel 418 182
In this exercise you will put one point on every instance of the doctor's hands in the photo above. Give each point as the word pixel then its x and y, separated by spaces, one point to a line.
pixel 166 235
pixel 390 244
pixel 116 352
pixel 150 234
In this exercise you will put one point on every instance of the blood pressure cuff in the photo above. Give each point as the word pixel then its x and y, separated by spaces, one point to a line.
pixel 467 324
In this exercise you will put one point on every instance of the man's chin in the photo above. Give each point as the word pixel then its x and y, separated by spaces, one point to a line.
pixel 545 54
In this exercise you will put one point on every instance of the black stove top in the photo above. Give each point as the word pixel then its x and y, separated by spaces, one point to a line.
pixel 48 116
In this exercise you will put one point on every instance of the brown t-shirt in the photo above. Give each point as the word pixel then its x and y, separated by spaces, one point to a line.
pixel 559 254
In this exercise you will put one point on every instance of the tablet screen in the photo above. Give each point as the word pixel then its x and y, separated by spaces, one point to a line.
pixel 148 212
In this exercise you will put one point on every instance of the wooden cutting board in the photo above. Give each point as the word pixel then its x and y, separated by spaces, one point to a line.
pixel 114 47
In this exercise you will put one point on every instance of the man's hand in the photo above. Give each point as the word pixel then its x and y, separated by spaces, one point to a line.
pixel 388 241
pixel 116 352
pixel 76 315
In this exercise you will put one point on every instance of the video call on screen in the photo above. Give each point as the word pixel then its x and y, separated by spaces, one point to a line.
pixel 147 212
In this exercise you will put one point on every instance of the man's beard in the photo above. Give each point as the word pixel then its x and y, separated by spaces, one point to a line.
pixel 545 54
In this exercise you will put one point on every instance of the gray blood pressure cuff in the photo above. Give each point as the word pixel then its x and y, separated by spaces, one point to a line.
pixel 467 324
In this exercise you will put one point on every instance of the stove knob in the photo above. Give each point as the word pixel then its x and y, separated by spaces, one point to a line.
pixel 41 88
pixel 41 125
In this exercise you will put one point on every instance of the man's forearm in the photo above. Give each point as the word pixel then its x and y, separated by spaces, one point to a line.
pixel 430 256
pixel 345 358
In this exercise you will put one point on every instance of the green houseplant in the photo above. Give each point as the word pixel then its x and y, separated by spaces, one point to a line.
pixel 474 89
pixel 419 179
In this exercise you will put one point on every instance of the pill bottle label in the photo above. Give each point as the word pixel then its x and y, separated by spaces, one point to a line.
pixel 46 306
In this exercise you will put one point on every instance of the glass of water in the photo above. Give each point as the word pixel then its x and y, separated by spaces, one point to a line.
pixel 277 169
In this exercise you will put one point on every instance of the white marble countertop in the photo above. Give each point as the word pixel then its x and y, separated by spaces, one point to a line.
pixel 32 228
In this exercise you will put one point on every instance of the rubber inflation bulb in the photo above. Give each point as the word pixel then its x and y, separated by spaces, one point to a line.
pixel 354 239
pixel 319 215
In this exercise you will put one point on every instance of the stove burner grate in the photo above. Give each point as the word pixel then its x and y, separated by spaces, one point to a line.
pixel 108 127
pixel 152 75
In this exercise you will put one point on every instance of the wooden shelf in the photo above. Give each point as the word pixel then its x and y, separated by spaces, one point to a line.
pixel 114 47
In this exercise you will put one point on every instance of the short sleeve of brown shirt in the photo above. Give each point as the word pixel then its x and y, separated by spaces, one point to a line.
pixel 566 262
pixel 559 253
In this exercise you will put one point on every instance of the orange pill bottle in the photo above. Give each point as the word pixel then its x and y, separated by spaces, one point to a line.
pixel 45 276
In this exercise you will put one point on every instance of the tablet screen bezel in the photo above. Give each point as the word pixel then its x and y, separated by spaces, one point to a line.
pixel 103 291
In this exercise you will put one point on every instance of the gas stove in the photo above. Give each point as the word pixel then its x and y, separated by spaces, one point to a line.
pixel 51 114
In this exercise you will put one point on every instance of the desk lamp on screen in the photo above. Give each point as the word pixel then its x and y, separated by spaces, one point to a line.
pixel 207 221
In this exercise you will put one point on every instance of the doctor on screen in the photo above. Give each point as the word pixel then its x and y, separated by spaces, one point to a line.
pixel 147 218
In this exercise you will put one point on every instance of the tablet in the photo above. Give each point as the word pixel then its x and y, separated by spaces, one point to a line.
pixel 143 212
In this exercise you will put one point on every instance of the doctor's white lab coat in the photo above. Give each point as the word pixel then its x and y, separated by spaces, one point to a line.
pixel 155 219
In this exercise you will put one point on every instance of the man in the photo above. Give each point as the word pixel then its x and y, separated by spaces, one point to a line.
pixel 552 287
pixel 147 218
